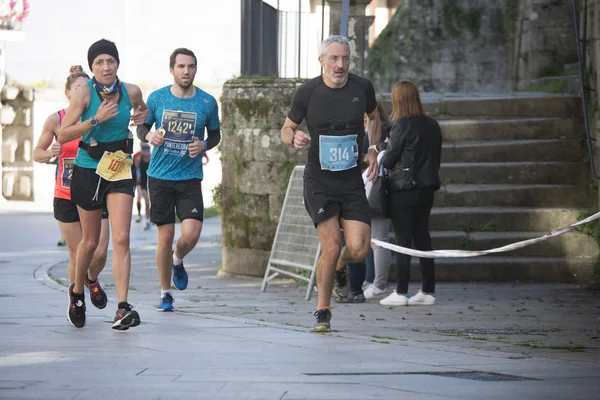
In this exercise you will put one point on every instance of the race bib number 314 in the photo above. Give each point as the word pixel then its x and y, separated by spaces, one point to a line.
pixel 338 153
pixel 179 126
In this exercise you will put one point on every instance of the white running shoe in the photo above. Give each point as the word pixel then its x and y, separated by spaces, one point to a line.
pixel 373 292
pixel 394 299
pixel 421 299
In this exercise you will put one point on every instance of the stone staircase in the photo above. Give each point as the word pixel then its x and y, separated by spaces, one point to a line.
pixel 511 170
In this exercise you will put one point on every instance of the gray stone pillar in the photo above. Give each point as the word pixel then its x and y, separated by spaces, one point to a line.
pixel 358 25
pixel 256 168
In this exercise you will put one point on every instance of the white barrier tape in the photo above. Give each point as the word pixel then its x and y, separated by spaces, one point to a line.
pixel 476 253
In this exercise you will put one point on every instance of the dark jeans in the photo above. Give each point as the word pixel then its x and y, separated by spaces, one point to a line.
pixel 356 276
pixel 410 217
pixel 358 271
pixel 370 261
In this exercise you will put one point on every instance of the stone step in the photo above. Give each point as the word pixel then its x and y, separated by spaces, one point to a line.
pixel 515 172
pixel 520 219
pixel 510 129
pixel 505 269
pixel 555 84
pixel 506 195
pixel 493 106
pixel 522 105
pixel 572 244
pixel 513 150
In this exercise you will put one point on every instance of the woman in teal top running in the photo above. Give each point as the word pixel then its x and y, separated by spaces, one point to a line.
pixel 102 174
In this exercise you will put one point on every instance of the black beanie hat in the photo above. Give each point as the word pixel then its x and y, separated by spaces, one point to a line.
pixel 102 46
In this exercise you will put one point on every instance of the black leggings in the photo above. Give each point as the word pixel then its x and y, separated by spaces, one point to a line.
pixel 410 211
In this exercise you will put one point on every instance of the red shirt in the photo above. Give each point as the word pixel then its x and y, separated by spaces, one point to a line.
pixel 66 159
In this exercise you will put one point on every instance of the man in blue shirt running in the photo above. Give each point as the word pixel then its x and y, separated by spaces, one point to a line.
pixel 180 113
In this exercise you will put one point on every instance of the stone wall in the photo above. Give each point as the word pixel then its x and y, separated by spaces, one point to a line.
pixel 466 46
pixel 358 24
pixel 545 39
pixel 444 45
pixel 256 168
pixel 16 142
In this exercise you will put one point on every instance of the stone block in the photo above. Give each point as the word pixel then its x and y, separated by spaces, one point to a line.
pixel 275 206
pixel 261 233
pixel 243 261
pixel 240 141
pixel 28 94
pixel 235 231
pixel 247 205
pixel 10 92
pixel 261 178
pixel 268 147
pixel 7 115
pixel 23 117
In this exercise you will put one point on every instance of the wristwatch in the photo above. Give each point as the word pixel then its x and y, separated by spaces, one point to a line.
pixel 93 122
pixel 374 147
pixel 292 141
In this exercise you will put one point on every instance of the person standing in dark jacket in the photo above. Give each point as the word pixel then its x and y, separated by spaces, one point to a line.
pixel 413 160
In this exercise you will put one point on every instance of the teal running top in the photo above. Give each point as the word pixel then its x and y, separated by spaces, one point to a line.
pixel 116 128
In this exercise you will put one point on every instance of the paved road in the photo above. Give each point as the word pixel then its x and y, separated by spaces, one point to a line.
pixel 229 340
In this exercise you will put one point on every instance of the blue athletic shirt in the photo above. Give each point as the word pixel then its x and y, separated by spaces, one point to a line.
pixel 181 118
pixel 116 128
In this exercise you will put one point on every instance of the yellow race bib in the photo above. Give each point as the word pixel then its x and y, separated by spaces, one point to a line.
pixel 114 166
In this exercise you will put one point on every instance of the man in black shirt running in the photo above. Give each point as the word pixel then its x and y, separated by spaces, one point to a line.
pixel 334 106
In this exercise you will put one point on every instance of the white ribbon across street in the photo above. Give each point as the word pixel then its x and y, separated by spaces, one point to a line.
pixel 468 253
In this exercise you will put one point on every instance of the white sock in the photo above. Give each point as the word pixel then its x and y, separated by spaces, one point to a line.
pixel 164 292
pixel 176 260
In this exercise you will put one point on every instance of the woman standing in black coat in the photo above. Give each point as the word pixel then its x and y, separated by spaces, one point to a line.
pixel 413 160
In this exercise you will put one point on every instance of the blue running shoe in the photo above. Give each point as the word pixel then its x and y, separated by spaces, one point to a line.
pixel 166 303
pixel 180 277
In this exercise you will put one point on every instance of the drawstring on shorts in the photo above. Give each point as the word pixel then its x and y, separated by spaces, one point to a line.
pixel 95 198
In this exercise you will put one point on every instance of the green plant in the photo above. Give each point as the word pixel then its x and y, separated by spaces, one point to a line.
pixel 239 163
pixel 212 211
pixel 258 107
pixel 556 69
pixel 552 86
pixel 217 197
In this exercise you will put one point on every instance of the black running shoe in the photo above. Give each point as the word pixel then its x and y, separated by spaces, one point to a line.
pixel 126 318
pixel 97 295
pixel 340 286
pixel 322 323
pixel 76 310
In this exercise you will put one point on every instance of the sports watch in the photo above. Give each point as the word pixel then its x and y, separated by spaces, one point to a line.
pixel 93 122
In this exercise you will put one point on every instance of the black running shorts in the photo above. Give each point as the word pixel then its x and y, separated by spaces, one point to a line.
pixel 89 190
pixel 66 211
pixel 169 197
pixel 323 201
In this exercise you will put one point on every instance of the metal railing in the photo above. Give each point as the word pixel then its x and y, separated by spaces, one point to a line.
pixel 583 88
pixel 300 34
